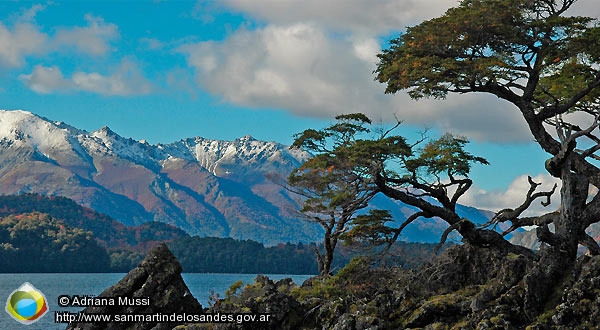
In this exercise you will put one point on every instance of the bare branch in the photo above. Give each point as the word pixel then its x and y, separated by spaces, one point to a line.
pixel 589 242
pixel 398 123
pixel 586 131
pixel 591 212
pixel 463 187
pixel 445 235
pixel 398 230
pixel 513 214
pixel 545 219
pixel 546 236
pixel 589 152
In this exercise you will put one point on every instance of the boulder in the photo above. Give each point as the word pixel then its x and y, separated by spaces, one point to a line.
pixel 156 284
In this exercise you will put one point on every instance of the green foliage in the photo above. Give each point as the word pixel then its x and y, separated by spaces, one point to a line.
pixel 345 129
pixel 323 288
pixel 126 245
pixel 445 155
pixel 351 156
pixel 454 50
pixel 370 228
pixel 109 232
pixel 536 57
pixel 354 162
pixel 335 183
pixel 484 44
pixel 352 282
pixel 233 289
pixel 36 242
pixel 563 81
pixel 356 266
pixel 123 261
pixel 227 255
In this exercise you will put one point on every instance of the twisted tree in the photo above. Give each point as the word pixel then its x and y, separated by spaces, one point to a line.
pixel 332 188
pixel 353 162
pixel 545 63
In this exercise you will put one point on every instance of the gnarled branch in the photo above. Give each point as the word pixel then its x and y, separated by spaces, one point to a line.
pixel 513 214
pixel 591 244
pixel 545 219
pixel 398 230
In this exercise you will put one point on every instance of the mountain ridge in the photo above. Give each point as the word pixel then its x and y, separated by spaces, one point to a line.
pixel 205 187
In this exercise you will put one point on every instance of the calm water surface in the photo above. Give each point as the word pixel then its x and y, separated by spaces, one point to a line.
pixel 54 285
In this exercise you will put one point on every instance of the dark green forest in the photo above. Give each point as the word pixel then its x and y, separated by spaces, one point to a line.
pixel 109 232
pixel 36 242
pixel 55 234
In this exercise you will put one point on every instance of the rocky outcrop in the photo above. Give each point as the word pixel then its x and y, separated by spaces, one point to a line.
pixel 464 288
pixel 579 304
pixel 263 297
pixel 158 278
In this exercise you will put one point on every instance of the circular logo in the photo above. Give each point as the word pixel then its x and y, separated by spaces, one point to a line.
pixel 26 304
pixel 63 301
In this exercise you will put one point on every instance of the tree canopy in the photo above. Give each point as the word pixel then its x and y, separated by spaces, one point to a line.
pixel 354 160
pixel 544 62
pixel 334 183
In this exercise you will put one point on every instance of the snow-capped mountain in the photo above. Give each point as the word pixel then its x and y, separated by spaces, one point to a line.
pixel 207 187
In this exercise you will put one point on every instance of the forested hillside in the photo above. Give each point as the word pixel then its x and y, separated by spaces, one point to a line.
pixel 55 234
pixel 108 232
pixel 36 242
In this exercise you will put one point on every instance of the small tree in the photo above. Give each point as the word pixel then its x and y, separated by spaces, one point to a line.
pixel 351 166
pixel 333 192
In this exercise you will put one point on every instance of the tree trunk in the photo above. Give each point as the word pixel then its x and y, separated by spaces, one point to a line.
pixel 558 255
pixel 320 261
pixel 324 261
pixel 574 194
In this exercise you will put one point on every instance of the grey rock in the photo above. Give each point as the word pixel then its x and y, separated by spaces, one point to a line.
pixel 157 277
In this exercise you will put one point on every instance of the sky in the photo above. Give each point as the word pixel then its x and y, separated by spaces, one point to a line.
pixel 167 70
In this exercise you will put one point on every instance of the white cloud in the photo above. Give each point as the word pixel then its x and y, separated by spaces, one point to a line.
pixel 364 16
pixel 587 8
pixel 302 69
pixel 366 49
pixel 125 81
pixel 316 58
pixel 357 16
pixel 514 196
pixel 22 40
pixel 93 39
pixel 480 117
pixel 30 13
pixel 152 44
pixel 295 67
pixel 45 80
pixel 182 80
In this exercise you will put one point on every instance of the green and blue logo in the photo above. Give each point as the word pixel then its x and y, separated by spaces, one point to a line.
pixel 26 304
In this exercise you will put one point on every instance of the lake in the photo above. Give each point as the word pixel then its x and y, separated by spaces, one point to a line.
pixel 54 285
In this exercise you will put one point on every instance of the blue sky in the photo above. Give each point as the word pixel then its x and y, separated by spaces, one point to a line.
pixel 167 70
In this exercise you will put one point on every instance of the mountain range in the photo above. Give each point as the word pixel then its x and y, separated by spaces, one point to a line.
pixel 205 187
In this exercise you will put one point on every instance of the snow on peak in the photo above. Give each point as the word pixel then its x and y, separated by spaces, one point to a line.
pixel 106 141
pixel 240 156
pixel 23 127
